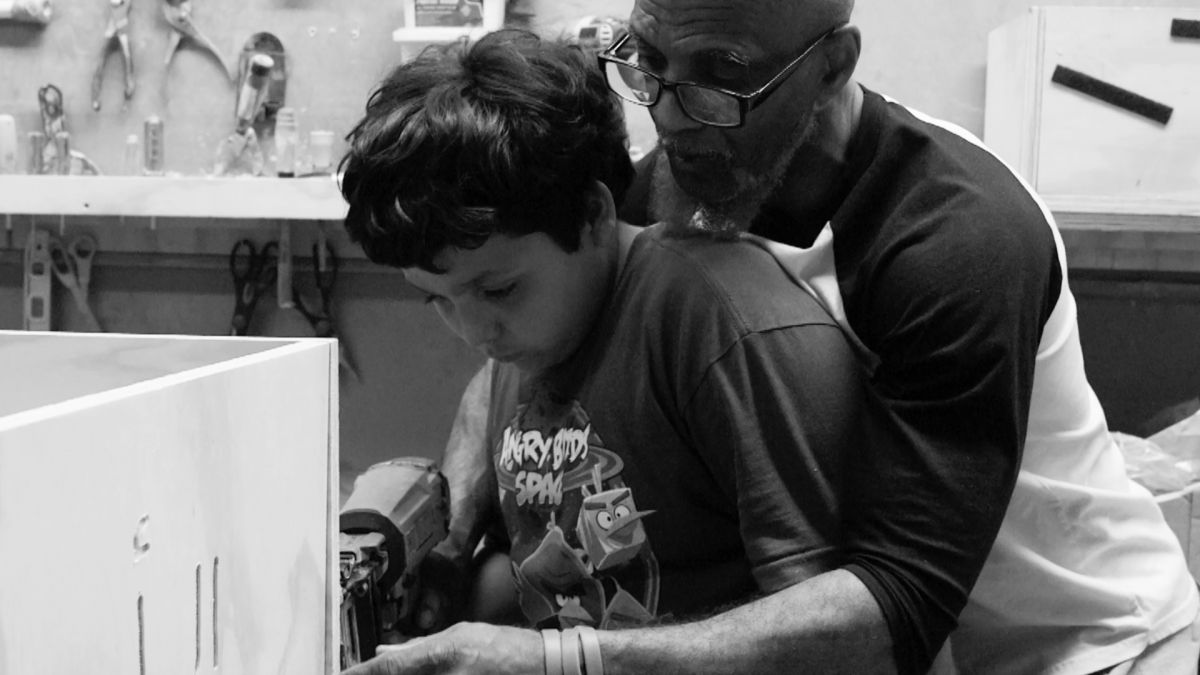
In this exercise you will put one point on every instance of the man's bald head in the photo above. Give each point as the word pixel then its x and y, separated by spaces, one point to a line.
pixel 818 12
pixel 777 26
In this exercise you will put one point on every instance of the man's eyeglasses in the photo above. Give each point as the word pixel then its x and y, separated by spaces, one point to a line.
pixel 703 103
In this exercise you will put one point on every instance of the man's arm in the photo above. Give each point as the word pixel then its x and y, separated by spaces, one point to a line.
pixel 829 624
pixel 467 466
pixel 446 572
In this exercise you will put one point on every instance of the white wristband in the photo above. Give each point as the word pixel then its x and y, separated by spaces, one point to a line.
pixel 572 659
pixel 589 642
pixel 553 648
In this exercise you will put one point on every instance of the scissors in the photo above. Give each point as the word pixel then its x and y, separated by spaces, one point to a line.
pixel 253 273
pixel 116 35
pixel 72 264
pixel 325 269
pixel 179 14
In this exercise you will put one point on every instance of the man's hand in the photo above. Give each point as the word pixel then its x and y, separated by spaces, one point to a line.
pixel 462 649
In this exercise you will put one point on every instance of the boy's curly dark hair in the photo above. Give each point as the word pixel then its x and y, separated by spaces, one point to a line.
pixel 502 136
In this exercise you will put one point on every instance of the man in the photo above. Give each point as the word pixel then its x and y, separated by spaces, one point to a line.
pixel 950 277
pixel 673 423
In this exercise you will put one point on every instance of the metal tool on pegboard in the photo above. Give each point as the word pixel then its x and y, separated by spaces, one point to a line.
pixel 26 11
pixel 597 33
pixel 71 261
pixel 116 39
pixel 55 154
pixel 179 14
pixel 37 280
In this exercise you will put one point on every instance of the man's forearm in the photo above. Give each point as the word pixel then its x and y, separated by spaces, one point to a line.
pixel 828 624
pixel 467 466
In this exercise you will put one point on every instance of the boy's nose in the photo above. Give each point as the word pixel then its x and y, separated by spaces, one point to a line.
pixel 479 330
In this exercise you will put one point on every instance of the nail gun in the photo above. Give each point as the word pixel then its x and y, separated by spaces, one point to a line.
pixel 397 512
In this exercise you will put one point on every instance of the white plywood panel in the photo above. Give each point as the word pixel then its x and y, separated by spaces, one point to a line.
pixel 154 490
pixel 67 366
pixel 1091 147
pixel 1007 127
pixel 1076 147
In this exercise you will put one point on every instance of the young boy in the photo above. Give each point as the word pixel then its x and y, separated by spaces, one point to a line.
pixel 671 421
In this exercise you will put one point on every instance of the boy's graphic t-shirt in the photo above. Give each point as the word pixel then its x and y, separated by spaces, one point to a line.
pixel 624 496
pixel 574 525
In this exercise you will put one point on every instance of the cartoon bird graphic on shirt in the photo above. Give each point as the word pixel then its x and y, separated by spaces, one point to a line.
pixel 610 527
pixel 554 583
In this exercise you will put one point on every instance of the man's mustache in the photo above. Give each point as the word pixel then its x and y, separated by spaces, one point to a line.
pixel 681 146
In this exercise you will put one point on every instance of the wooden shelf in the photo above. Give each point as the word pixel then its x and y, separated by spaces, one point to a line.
pixel 1119 236
pixel 311 198
pixel 1122 208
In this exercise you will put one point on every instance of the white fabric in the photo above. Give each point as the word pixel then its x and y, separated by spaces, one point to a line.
pixel 1085 573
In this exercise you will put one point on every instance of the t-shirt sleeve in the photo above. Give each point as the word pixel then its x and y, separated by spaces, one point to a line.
pixel 777 419
pixel 956 325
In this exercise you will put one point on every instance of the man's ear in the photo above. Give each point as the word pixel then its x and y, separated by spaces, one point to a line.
pixel 841 50
pixel 600 213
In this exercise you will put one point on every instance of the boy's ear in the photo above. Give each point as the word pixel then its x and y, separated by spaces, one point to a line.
pixel 600 213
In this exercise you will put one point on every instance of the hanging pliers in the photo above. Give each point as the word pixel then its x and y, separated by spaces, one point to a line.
pixel 179 14
pixel 116 35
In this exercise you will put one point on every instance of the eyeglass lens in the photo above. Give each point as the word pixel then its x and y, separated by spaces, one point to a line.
pixel 631 84
pixel 700 103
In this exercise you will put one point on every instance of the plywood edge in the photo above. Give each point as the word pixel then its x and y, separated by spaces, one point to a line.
pixel 1009 105
pixel 333 591
pixel 43 413
pixel 158 336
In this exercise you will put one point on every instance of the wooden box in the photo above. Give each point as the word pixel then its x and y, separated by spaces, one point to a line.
pixel 1053 75
pixel 167 504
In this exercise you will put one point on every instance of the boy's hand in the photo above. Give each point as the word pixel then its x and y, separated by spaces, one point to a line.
pixel 462 649
pixel 443 592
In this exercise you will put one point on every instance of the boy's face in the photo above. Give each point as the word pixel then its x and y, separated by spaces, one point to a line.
pixel 521 300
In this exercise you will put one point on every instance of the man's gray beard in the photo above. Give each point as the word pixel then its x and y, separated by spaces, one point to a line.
pixel 685 214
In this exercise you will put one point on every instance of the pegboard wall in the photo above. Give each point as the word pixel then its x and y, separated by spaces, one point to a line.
pixel 336 52
pixel 171 275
